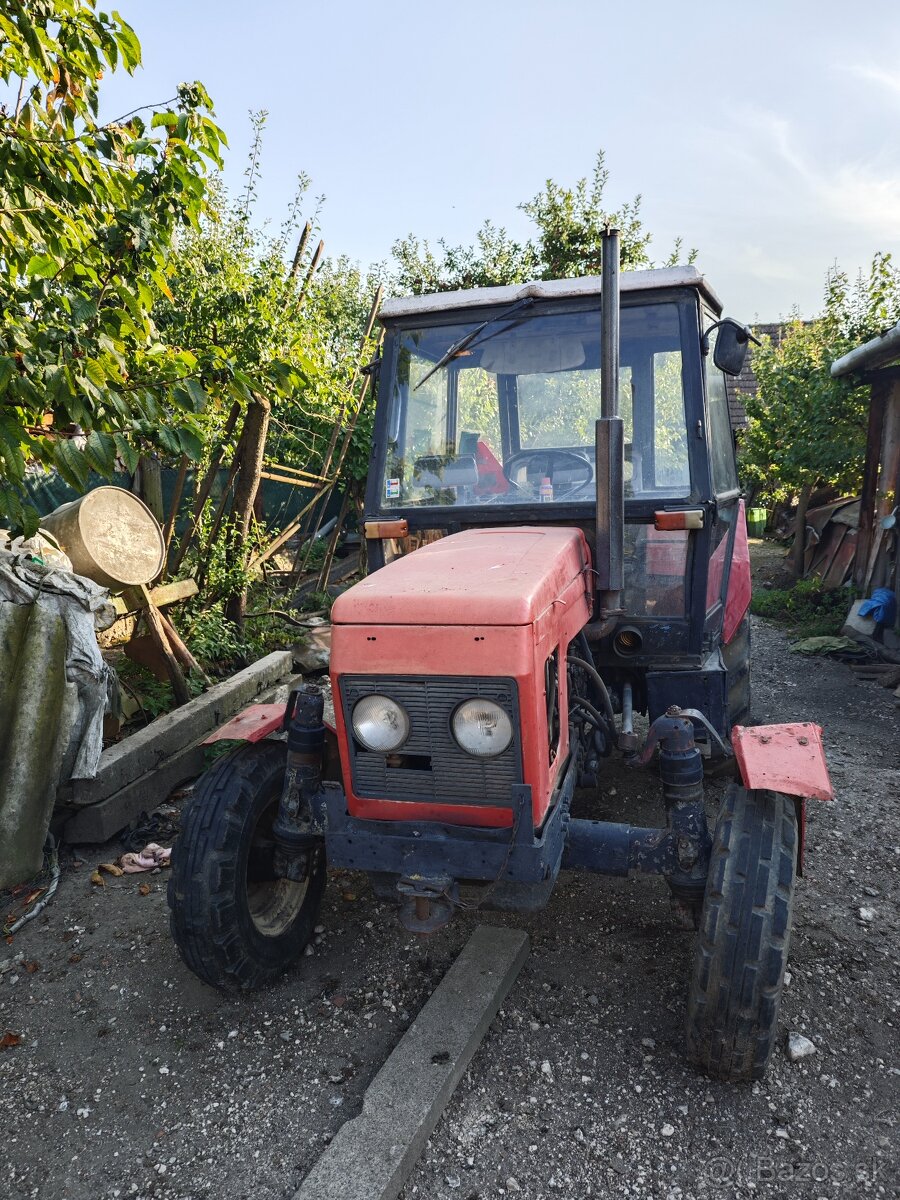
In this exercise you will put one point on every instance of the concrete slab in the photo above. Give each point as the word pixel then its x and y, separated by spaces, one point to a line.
pixel 103 819
pixel 372 1155
pixel 145 750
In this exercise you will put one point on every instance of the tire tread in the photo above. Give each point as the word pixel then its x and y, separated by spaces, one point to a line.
pixel 203 896
pixel 744 936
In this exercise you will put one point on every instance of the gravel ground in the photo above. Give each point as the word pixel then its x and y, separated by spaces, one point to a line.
pixel 133 1079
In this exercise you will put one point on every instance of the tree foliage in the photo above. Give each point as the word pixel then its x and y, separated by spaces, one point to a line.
pixel 247 294
pixel 88 213
pixel 569 223
pixel 805 428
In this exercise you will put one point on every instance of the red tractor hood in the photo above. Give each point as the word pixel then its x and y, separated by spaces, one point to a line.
pixel 479 577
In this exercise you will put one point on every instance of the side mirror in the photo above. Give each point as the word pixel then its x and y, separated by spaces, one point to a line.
pixel 731 345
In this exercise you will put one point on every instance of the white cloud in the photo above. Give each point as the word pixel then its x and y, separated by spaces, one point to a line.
pixel 858 193
pixel 878 75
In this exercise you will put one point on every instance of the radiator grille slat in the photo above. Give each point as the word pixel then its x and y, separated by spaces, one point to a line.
pixel 454 777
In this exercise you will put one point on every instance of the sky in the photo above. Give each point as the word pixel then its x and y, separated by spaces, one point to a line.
pixel 764 134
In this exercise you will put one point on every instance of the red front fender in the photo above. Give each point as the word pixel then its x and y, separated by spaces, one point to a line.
pixel 788 759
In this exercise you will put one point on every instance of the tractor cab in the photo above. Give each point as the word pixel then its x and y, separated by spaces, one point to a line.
pixel 487 411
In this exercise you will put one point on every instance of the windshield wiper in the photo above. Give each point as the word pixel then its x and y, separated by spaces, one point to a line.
pixel 471 335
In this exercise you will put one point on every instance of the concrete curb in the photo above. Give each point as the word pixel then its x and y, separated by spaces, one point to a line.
pixel 101 819
pixel 372 1154
pixel 145 750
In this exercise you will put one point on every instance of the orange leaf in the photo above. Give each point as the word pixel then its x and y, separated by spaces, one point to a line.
pixel 9 1040
pixel 31 967
pixel 144 889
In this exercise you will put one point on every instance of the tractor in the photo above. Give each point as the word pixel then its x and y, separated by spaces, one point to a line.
pixel 556 542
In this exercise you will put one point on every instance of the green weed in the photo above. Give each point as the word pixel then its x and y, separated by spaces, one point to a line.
pixel 806 609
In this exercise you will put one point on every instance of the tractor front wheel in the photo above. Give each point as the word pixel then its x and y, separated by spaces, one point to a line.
pixel 742 944
pixel 240 913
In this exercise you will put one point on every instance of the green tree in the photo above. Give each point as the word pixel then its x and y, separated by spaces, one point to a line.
pixel 569 223
pixel 88 214
pixel 242 292
pixel 290 334
pixel 806 429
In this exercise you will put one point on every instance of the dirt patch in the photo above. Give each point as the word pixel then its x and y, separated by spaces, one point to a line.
pixel 769 564
pixel 135 1080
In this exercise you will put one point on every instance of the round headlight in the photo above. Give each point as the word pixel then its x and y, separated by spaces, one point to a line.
pixel 482 728
pixel 380 723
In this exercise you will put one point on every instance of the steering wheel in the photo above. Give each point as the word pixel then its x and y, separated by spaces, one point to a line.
pixel 553 460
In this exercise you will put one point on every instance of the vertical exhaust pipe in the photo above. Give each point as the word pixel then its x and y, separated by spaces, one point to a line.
pixel 609 475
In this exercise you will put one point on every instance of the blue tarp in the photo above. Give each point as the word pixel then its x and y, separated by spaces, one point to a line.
pixel 881 607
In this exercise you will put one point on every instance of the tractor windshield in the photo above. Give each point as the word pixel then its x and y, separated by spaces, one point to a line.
pixel 508 417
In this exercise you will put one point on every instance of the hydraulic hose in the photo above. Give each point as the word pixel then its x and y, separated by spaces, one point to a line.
pixel 601 687
pixel 596 718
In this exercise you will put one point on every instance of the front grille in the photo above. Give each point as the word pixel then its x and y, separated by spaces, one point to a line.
pixel 433 768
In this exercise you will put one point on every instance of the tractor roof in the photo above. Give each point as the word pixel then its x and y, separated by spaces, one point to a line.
pixel 551 289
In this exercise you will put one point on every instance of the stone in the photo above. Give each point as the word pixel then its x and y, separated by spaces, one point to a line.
pixel 313 654
pixel 799 1046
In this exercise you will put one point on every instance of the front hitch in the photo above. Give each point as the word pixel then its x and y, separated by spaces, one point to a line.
pixel 427 902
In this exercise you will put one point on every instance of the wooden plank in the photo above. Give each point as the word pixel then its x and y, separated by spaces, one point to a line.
pixel 167 593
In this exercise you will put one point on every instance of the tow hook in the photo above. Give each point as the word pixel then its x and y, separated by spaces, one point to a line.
pixel 427 902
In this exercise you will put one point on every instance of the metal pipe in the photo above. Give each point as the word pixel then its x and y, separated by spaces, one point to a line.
pixel 627 709
pixel 869 355
pixel 609 469
pixel 609 324
pixel 611 848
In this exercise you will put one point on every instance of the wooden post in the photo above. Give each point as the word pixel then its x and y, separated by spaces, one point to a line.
pixel 158 634
pixel 301 246
pixel 253 448
pixel 173 511
pixel 205 487
pixel 313 267
pixel 322 583
pixel 799 548
pixel 180 650
pixel 877 400
pixel 151 485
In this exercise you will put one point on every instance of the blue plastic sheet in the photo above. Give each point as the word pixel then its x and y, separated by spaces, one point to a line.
pixel 881 607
